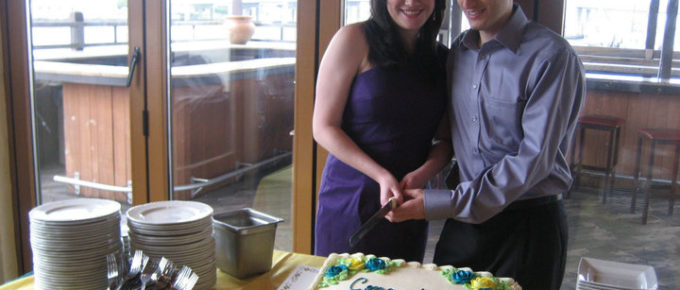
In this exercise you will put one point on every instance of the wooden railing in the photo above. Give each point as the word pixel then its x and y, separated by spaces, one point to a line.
pixel 626 61
pixel 77 27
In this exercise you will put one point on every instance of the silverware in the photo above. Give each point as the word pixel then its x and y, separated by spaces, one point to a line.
pixel 147 275
pixel 113 272
pixel 372 221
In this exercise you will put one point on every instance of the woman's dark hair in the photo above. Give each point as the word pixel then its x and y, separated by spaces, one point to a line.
pixel 386 47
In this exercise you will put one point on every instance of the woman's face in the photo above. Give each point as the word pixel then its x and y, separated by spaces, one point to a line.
pixel 410 15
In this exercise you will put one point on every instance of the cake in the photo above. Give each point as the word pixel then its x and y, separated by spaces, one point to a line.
pixel 359 271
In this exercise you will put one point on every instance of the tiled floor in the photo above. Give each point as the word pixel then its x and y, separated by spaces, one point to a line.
pixel 611 232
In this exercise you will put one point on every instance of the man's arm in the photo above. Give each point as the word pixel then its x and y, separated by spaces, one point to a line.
pixel 551 107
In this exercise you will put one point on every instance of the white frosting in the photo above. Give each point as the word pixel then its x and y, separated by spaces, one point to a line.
pixel 411 275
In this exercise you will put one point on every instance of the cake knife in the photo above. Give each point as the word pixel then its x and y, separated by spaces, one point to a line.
pixel 372 221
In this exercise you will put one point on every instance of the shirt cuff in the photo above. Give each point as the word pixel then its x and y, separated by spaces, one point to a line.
pixel 437 204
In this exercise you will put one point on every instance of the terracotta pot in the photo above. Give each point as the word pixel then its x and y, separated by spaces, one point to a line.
pixel 241 28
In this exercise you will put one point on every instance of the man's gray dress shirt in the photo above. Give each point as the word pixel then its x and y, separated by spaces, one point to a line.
pixel 513 109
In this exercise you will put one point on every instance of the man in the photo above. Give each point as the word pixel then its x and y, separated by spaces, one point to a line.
pixel 516 92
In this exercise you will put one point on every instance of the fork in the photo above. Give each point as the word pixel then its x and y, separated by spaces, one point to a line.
pixel 136 266
pixel 181 279
pixel 191 282
pixel 162 274
pixel 112 271
pixel 137 263
pixel 149 269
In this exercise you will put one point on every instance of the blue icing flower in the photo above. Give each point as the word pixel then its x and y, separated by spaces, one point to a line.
pixel 463 277
pixel 335 270
pixel 375 264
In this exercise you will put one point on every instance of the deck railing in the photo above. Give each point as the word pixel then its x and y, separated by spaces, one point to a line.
pixel 77 26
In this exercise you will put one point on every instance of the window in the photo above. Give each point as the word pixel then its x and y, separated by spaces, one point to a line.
pixel 624 39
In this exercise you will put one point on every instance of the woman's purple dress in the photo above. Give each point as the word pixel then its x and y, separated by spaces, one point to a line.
pixel 392 114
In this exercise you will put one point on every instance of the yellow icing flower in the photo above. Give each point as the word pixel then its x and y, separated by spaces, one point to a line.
pixel 482 283
pixel 356 264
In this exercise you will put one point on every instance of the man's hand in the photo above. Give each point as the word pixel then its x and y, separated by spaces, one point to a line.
pixel 412 208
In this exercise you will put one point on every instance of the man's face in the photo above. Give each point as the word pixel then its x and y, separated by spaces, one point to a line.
pixel 487 16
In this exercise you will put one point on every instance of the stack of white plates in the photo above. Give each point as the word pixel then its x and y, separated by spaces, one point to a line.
pixel 70 240
pixel 178 230
pixel 595 274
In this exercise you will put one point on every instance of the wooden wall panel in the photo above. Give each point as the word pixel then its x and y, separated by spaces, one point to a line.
pixel 640 110
pixel 121 135
pixel 96 136
pixel 102 140
pixel 205 135
pixel 549 13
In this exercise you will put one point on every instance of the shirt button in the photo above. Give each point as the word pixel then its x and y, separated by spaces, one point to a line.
pixel 474 119
pixel 474 86
pixel 475 150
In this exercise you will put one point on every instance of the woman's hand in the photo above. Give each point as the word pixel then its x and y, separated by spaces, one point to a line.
pixel 413 179
pixel 389 187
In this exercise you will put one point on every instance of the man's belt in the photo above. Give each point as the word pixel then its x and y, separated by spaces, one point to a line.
pixel 534 202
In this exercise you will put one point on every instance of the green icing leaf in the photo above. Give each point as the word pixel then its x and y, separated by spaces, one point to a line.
pixel 448 275
pixel 502 285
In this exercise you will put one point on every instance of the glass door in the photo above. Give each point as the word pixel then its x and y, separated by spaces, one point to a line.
pixel 78 52
pixel 230 105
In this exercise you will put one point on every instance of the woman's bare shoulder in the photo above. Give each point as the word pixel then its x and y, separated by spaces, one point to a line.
pixel 349 43
pixel 353 33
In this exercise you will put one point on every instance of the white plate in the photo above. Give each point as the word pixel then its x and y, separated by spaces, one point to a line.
pixel 197 228
pixel 169 212
pixel 195 258
pixel 170 229
pixel 170 240
pixel 583 285
pixel 72 246
pixel 84 237
pixel 580 285
pixel 201 245
pixel 66 226
pixel 75 211
pixel 75 231
pixel 614 274
pixel 77 255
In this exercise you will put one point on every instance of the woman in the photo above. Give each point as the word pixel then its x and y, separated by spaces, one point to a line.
pixel 380 98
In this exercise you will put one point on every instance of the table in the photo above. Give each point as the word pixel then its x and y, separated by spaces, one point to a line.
pixel 283 263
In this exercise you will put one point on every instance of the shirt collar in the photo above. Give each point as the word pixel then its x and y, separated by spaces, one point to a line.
pixel 509 36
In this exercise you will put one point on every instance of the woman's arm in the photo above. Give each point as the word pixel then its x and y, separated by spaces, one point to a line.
pixel 345 57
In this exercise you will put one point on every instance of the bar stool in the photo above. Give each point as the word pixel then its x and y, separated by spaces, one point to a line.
pixel 655 136
pixel 603 123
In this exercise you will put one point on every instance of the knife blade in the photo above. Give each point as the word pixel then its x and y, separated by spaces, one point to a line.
pixel 372 221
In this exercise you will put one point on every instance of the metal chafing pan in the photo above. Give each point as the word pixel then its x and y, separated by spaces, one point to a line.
pixel 244 241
